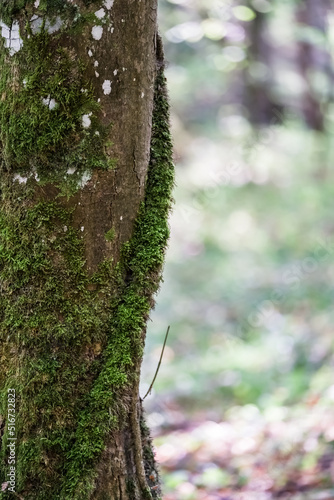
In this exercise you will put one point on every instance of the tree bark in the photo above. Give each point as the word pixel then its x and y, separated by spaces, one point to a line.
pixel 86 179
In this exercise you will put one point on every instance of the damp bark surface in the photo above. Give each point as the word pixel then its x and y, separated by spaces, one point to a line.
pixel 86 179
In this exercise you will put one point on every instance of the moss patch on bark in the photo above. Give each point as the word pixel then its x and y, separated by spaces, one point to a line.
pixel 48 115
pixel 69 342
pixel 48 313
pixel 10 9
pixel 137 278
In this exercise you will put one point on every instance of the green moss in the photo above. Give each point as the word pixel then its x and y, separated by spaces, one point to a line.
pixel 45 101
pixel 10 9
pixel 130 487
pixel 110 235
pixel 47 312
pixel 137 277
pixel 50 308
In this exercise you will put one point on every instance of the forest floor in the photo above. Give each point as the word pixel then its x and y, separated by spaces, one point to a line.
pixel 281 453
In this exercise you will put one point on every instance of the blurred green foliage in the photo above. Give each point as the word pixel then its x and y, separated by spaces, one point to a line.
pixel 249 275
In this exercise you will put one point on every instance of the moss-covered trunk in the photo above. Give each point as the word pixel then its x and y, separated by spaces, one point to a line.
pixel 86 178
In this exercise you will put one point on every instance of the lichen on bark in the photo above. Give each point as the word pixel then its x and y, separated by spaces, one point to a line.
pixel 49 124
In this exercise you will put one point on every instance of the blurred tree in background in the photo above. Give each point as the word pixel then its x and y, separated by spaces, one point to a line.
pixel 242 404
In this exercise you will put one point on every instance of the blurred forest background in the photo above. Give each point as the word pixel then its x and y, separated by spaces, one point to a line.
pixel 243 405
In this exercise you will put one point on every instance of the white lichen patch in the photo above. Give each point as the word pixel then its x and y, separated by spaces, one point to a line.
pixel 86 121
pixel 84 179
pixel 97 32
pixel 90 53
pixel 97 74
pixel 13 41
pixel 52 28
pixel 115 72
pixel 20 179
pixel 96 63
pixel 100 13
pixel 111 29
pixel 36 4
pixel 106 86
pixel 142 94
pixel 36 24
pixel 108 4
pixel 65 229
pixel 82 228
pixel 121 217
pixel 71 170
pixel 50 102
pixel 97 132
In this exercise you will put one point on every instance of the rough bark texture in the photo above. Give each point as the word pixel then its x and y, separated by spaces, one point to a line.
pixel 86 179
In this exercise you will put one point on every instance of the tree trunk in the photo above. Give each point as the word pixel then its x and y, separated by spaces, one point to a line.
pixel 314 58
pixel 258 98
pixel 86 179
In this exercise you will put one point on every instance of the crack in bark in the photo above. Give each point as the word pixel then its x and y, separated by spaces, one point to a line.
pixel 120 488
pixel 135 166
pixel 138 445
